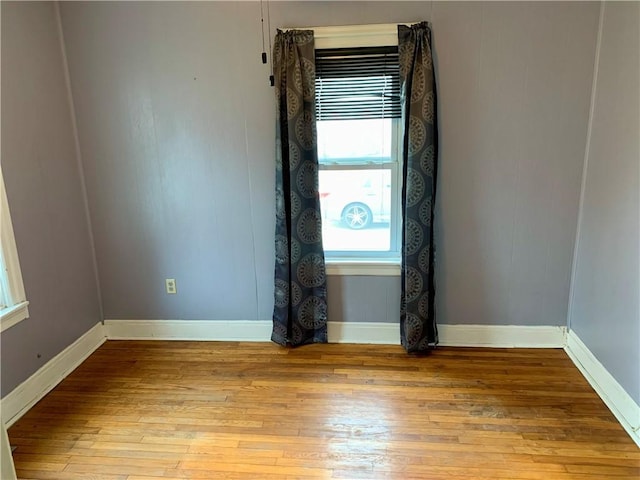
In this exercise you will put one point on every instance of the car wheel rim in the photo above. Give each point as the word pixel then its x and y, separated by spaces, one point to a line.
pixel 356 217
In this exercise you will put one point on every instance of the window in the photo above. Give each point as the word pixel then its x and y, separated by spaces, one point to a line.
pixel 358 123
pixel 13 304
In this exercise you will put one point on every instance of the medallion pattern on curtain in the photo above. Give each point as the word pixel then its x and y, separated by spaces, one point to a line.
pixel 300 293
pixel 418 331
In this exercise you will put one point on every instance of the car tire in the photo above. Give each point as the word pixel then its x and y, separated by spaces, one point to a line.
pixel 356 216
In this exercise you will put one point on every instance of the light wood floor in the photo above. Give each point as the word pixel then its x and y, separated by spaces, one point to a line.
pixel 149 410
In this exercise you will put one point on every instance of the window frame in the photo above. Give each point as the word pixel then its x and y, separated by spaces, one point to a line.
pixel 368 263
pixel 13 301
pixel 394 166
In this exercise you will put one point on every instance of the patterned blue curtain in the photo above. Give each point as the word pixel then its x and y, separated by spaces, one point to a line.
pixel 418 331
pixel 300 304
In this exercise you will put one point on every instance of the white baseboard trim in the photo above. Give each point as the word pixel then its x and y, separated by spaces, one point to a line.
pixel 7 468
pixel 194 330
pixel 29 392
pixel 625 409
pixel 339 332
pixel 364 332
pixel 502 336
pixel 242 330
pixel 493 336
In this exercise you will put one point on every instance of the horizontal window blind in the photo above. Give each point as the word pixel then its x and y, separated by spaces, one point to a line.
pixel 357 83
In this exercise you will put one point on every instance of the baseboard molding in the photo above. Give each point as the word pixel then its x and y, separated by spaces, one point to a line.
pixel 29 392
pixel 241 330
pixel 338 332
pixel 7 468
pixel 493 336
pixel 502 336
pixel 194 330
pixel 625 409
pixel 364 332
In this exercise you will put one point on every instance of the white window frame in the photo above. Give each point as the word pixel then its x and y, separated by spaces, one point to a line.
pixel 394 165
pixel 13 300
pixel 353 36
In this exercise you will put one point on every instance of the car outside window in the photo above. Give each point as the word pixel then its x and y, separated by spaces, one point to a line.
pixel 359 187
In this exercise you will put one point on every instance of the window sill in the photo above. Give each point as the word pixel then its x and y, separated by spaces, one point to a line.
pixel 11 315
pixel 377 268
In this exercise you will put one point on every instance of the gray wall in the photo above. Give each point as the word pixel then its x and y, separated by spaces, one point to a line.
pixel 176 127
pixel 605 305
pixel 44 190
pixel 515 82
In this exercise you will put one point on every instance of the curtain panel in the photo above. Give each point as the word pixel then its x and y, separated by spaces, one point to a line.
pixel 418 331
pixel 300 303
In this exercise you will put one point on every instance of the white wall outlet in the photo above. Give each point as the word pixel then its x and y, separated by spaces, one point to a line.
pixel 170 283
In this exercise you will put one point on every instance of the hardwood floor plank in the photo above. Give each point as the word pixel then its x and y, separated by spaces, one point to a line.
pixel 42 475
pixel 117 469
pixel 33 458
pixel 98 461
pixel 137 410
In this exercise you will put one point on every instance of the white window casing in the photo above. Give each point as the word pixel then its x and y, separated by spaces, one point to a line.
pixel 13 301
pixel 352 36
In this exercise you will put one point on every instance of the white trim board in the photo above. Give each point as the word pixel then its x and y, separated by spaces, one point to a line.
pixel 360 268
pixel 339 332
pixel 242 330
pixel 7 468
pixel 34 388
pixel 194 330
pixel 625 409
pixel 341 36
pixel 502 336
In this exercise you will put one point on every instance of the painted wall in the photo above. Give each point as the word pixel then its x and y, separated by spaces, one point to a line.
pixel 605 309
pixel 176 125
pixel 44 191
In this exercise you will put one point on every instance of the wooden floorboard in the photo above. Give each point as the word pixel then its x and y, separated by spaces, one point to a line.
pixel 227 410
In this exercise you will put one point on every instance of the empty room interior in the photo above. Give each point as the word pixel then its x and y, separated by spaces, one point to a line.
pixel 320 239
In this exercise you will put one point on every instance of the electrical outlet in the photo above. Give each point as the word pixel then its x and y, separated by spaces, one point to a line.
pixel 170 284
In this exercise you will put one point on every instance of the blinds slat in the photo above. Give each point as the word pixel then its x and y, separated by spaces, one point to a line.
pixel 357 83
